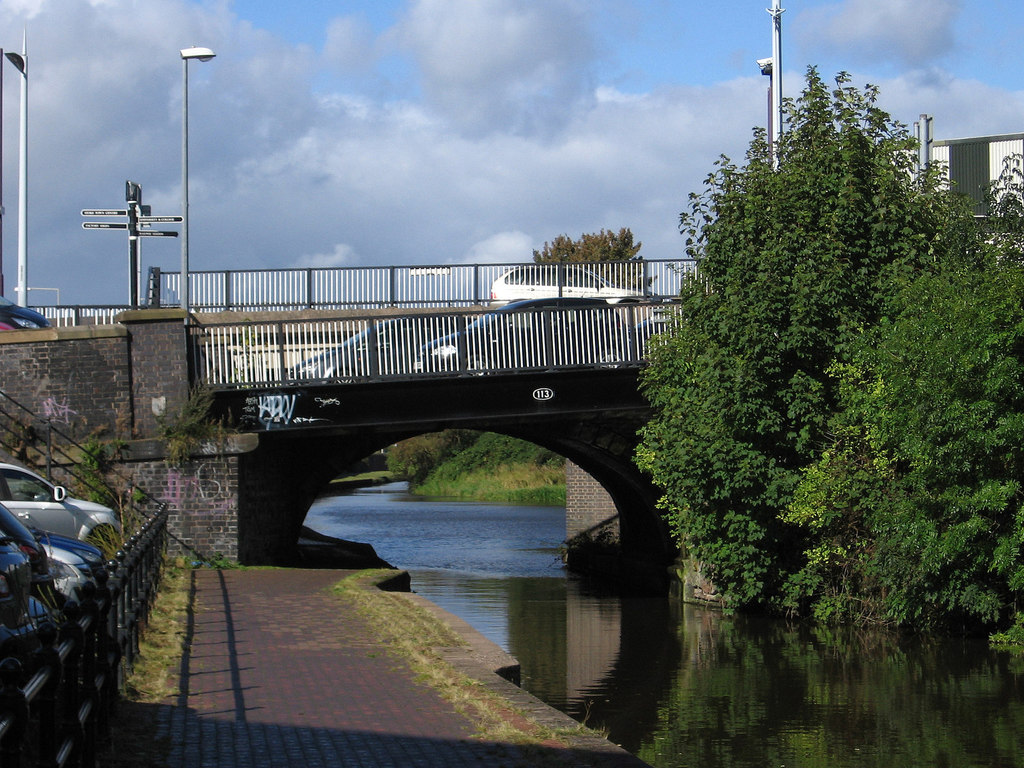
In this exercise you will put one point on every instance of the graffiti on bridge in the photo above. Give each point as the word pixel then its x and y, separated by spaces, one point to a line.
pixel 58 410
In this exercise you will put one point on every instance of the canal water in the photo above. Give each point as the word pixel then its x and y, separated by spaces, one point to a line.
pixel 684 686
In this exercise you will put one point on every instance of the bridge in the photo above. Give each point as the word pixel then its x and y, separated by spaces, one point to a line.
pixel 313 391
pixel 564 376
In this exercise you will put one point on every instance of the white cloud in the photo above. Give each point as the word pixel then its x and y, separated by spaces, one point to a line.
pixel 500 65
pixel 500 248
pixel 901 31
pixel 508 145
pixel 351 44
pixel 342 256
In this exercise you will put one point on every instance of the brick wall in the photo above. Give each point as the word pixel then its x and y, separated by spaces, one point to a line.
pixel 588 507
pixel 111 380
pixel 159 360
pixel 202 500
pixel 81 387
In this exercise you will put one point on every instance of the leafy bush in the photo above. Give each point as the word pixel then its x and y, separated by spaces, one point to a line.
pixel 795 263
pixel 916 505
pixel 185 431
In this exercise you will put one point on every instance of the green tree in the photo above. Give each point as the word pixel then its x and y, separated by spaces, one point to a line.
pixel 795 263
pixel 416 457
pixel 915 509
pixel 602 246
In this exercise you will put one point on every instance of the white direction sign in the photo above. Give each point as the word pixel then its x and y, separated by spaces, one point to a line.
pixel 159 219
pixel 104 225
pixel 104 212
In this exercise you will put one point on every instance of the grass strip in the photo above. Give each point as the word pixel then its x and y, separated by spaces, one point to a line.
pixel 416 636
pixel 153 680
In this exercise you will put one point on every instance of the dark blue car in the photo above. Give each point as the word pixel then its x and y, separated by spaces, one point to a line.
pixel 13 317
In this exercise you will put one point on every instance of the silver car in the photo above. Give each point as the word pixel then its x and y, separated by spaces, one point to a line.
pixel 69 571
pixel 41 504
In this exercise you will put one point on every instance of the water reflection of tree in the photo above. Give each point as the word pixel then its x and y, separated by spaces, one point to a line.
pixel 759 693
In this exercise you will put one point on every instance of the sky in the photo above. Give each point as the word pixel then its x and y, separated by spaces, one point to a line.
pixel 376 132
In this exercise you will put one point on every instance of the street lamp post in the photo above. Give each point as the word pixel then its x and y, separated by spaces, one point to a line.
pixel 202 54
pixel 776 12
pixel 20 62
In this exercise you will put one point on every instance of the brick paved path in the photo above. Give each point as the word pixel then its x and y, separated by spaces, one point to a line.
pixel 283 674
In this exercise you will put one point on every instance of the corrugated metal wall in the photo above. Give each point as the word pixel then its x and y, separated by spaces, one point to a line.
pixel 973 164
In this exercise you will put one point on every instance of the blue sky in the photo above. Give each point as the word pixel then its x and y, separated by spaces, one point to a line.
pixel 438 131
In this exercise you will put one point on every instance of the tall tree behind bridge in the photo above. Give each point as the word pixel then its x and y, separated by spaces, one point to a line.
pixel 601 246
pixel 797 262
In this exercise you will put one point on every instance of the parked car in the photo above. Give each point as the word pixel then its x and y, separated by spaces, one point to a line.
pixel 519 335
pixel 18 610
pixel 40 504
pixel 90 557
pixel 42 580
pixel 13 317
pixel 69 570
pixel 539 281
pixel 387 347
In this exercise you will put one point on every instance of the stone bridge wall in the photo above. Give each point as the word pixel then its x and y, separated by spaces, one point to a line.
pixel 105 380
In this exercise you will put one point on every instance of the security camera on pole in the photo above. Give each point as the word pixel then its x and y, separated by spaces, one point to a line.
pixel 773 68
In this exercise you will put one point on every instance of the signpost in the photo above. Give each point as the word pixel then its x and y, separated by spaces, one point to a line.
pixel 137 225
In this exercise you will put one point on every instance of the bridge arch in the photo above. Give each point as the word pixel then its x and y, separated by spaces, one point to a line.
pixel 296 461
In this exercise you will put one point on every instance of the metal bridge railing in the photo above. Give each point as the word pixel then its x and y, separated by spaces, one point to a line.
pixel 512 338
pixel 64 316
pixel 449 285
pixel 417 286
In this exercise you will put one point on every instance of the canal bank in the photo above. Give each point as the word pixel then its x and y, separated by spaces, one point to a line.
pixel 281 669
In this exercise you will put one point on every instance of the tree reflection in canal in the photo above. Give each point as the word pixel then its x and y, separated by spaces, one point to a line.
pixel 685 686
pixel 751 692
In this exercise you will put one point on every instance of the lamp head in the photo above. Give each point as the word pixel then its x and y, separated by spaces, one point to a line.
pixel 17 60
pixel 203 54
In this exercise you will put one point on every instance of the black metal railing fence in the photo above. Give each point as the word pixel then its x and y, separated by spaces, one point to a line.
pixel 68 689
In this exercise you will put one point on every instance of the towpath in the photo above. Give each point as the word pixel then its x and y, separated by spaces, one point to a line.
pixel 279 672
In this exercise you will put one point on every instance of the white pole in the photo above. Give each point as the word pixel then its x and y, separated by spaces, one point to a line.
pixel 1 171
pixel 183 277
pixel 776 14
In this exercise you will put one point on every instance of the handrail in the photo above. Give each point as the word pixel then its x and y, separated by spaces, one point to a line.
pixel 18 423
pixel 421 285
pixel 376 287
pixel 372 347
pixel 79 668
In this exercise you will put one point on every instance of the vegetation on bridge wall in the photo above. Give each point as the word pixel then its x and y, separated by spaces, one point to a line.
pixel 839 419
